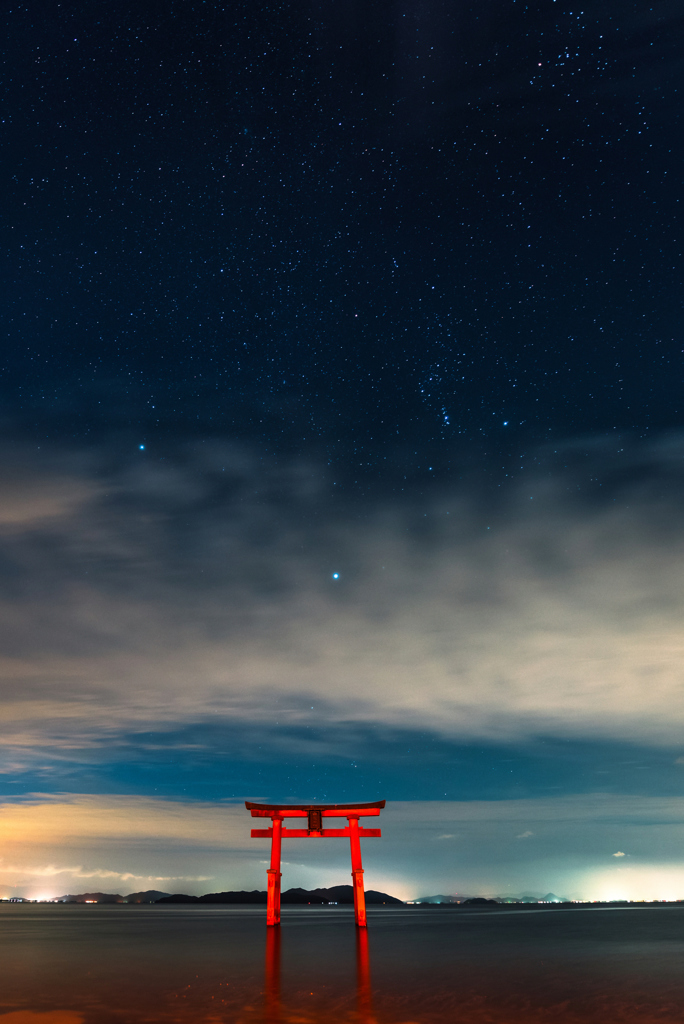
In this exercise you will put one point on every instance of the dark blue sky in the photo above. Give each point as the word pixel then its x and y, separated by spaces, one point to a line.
pixel 326 223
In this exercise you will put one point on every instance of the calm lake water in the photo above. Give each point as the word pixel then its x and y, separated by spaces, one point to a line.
pixel 104 964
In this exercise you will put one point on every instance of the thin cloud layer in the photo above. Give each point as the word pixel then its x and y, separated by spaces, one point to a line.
pixel 200 588
pixel 52 844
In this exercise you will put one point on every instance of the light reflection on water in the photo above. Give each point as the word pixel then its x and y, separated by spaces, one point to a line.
pixel 214 965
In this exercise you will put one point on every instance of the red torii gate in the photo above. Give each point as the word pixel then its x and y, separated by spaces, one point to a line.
pixel 315 813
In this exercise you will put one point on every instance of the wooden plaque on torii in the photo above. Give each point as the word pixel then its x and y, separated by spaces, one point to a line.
pixel 314 813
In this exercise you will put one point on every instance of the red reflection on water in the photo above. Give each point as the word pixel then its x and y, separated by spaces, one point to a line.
pixel 364 994
pixel 273 1008
pixel 272 975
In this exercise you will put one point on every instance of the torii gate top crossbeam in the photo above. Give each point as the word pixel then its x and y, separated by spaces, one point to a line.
pixel 315 814
pixel 302 810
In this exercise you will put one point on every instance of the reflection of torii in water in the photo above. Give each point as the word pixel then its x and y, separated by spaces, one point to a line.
pixel 315 813
pixel 364 998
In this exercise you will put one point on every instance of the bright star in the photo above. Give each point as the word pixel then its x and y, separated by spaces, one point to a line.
pixel 505 423
pixel 141 447
pixel 336 575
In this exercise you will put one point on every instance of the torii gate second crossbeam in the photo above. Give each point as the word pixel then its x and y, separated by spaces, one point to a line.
pixel 315 814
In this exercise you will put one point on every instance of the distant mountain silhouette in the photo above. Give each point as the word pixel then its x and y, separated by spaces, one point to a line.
pixel 532 897
pixel 180 897
pixel 341 894
pixel 149 896
pixel 522 897
pixel 504 898
pixel 90 897
pixel 255 896
pixel 336 894
pixel 456 897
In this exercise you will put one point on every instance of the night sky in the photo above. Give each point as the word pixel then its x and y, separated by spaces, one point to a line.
pixel 342 452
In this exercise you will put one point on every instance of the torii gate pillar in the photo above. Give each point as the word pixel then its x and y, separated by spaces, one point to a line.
pixel 357 873
pixel 274 875
pixel 315 813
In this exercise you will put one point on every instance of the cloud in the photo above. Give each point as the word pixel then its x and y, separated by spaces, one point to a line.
pixel 647 881
pixel 524 835
pixel 132 841
pixel 72 842
pixel 619 854
pixel 198 589
pixel 28 501
pixel 69 819
pixel 50 871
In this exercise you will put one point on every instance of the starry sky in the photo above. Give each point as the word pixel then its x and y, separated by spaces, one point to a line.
pixel 342 452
